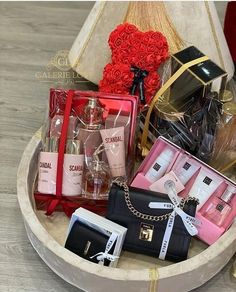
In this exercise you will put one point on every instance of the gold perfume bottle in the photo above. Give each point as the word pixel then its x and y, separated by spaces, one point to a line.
pixel 97 180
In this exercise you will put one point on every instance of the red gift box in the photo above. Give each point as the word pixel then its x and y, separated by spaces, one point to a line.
pixel 64 102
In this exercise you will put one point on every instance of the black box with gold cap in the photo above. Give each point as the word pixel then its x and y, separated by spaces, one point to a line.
pixel 194 94
pixel 198 80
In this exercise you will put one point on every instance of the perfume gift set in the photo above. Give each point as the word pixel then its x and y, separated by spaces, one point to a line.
pixel 87 140
pixel 193 178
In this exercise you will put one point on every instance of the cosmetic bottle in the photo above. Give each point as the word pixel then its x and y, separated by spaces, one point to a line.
pixel 219 208
pixel 160 165
pixel 204 186
pixel 89 132
pixel 73 169
pixel 96 180
pixel 48 166
pixel 186 171
pixel 119 120
pixel 114 145
pixel 92 114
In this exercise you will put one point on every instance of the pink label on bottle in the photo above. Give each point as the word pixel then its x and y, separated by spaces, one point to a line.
pixel 47 172
pixel 72 174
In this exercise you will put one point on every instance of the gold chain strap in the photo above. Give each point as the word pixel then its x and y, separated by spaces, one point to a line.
pixel 138 214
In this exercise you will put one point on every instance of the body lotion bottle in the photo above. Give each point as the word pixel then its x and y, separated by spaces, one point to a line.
pixel 114 144
pixel 186 171
pixel 204 186
pixel 160 165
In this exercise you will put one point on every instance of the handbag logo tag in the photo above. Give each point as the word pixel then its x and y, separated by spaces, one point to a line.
pixel 146 232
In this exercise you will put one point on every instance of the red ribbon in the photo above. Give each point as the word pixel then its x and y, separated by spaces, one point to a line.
pixel 60 160
pixel 68 206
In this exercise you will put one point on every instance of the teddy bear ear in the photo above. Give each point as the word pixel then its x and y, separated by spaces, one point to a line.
pixel 91 50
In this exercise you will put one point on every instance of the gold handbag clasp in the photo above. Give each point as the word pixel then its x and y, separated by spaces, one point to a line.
pixel 146 232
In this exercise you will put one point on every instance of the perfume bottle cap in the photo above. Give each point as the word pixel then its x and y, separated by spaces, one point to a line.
pixel 73 147
pixel 92 102
pixel 228 194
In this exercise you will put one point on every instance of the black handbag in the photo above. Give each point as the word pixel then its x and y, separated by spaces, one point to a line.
pixel 86 242
pixel 129 207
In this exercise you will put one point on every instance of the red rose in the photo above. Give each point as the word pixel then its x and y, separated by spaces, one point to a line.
pixel 116 72
pixel 102 83
pixel 157 37
pixel 121 33
pixel 129 28
pixel 121 56
pixel 119 89
pixel 117 77
pixel 152 80
pixel 115 41
pixel 151 85
pixel 134 41
pixel 113 88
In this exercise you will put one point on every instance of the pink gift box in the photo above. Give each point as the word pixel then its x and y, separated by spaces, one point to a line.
pixel 208 231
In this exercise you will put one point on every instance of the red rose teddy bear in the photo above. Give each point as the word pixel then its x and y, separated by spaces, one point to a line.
pixel 136 57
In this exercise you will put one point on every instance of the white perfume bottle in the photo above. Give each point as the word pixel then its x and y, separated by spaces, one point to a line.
pixel 160 165
pixel 73 169
pixel 48 167
pixel 204 186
